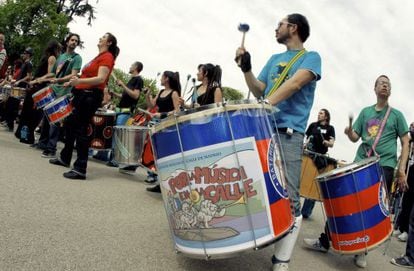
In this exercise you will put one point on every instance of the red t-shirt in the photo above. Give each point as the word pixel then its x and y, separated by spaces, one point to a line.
pixel 91 70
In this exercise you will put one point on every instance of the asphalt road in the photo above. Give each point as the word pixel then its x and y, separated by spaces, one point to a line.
pixel 110 222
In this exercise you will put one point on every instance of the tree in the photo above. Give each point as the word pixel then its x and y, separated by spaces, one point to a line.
pixel 231 94
pixel 79 8
pixel 35 22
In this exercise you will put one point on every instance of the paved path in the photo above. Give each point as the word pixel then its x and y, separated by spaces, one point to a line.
pixel 109 222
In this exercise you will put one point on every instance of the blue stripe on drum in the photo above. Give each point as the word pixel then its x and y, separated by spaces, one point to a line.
pixel 272 194
pixel 210 130
pixel 356 222
pixel 345 185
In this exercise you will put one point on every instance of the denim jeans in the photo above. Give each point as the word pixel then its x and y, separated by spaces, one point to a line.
pixel 307 207
pixel 291 147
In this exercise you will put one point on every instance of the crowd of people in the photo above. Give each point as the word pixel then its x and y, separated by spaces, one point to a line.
pixel 288 81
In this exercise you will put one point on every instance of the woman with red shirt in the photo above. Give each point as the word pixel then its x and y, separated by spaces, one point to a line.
pixel 87 98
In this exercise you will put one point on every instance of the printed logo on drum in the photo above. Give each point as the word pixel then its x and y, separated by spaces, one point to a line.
pixel 274 164
pixel 382 199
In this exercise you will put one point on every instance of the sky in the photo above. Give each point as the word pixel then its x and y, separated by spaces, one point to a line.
pixel 357 41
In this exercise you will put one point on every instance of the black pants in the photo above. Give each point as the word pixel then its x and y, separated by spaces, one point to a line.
pixel 407 203
pixel 11 111
pixel 85 103
pixel 30 117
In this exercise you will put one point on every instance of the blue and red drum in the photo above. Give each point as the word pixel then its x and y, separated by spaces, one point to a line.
pixel 356 206
pixel 221 178
pixel 101 130
pixel 43 97
pixel 58 110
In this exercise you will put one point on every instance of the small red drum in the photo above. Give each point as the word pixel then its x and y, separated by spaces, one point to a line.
pixel 101 130
pixel 43 97
pixel 58 109
pixel 356 206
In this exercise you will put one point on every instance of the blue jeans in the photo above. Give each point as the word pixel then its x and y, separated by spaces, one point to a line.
pixel 307 207
pixel 291 146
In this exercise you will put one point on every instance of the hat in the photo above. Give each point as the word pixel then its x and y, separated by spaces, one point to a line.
pixel 29 51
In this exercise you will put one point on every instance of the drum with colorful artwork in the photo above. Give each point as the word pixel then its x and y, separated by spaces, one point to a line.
pixel 58 110
pixel 221 178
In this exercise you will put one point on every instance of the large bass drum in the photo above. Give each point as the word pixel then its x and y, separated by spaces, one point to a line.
pixel 221 178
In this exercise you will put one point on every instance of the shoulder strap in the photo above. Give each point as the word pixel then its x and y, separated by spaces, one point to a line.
pixel 285 71
pixel 384 120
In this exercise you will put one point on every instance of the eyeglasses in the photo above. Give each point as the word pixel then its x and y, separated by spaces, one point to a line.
pixel 279 25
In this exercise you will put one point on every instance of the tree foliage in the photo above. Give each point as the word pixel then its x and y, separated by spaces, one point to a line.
pixel 76 8
pixel 231 94
pixel 35 22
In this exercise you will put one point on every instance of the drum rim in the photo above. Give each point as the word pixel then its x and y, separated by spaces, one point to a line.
pixel 105 113
pixel 206 110
pixel 345 170
pixel 131 127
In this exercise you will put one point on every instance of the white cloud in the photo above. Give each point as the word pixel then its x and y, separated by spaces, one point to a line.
pixel 358 40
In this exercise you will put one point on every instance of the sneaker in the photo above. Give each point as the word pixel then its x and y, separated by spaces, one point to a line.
pixel 112 163
pixel 402 261
pixel 155 189
pixel 279 265
pixel 48 154
pixel 58 162
pixel 403 237
pixel 396 233
pixel 314 244
pixel 360 260
pixel 74 175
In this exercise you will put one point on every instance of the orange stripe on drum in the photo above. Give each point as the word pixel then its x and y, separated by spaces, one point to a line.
pixel 353 203
pixel 282 217
pixel 262 147
pixel 359 241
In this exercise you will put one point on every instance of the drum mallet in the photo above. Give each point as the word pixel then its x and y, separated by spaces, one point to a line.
pixel 244 28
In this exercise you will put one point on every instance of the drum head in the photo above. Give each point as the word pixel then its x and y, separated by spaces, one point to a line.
pixel 208 110
pixel 347 169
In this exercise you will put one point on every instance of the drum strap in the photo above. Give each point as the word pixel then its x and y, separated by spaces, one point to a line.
pixel 384 120
pixel 285 71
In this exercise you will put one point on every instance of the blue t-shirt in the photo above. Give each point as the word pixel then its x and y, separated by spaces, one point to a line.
pixel 294 111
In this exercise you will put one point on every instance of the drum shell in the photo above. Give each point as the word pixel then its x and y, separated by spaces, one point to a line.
pixel 43 97
pixel 101 130
pixel 58 109
pixel 129 144
pixel 356 206
pixel 241 136
pixel 17 92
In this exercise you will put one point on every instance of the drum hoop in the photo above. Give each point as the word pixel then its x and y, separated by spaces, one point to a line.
pixel 132 127
pixel 207 110
pixel 105 113
pixel 345 170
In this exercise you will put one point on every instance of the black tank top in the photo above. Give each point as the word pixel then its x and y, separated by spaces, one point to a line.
pixel 165 104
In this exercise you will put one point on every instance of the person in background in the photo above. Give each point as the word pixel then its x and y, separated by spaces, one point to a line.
pixel 320 136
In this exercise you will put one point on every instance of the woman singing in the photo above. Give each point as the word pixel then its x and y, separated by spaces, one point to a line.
pixel 87 97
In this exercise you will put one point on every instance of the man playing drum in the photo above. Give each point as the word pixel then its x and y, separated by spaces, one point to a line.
pixel 378 126
pixel 288 80
pixel 67 65
pixel 320 136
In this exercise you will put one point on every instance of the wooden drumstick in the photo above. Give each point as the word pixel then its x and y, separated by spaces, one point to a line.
pixel 244 28
pixel 350 118
pixel 144 111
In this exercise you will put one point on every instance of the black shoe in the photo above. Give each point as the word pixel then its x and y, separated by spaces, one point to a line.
pixel 48 154
pixel 58 162
pixel 155 189
pixel 112 164
pixel 74 175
